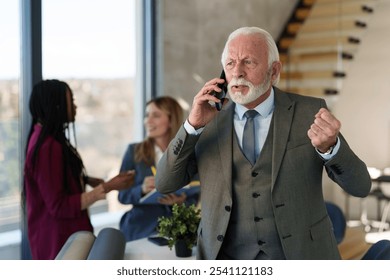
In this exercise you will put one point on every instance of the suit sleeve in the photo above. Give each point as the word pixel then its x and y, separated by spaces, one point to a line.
pixel 348 171
pixel 177 166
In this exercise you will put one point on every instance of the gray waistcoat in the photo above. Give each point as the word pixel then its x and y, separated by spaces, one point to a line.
pixel 252 233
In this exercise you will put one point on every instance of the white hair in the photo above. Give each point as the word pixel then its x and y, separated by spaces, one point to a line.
pixel 273 53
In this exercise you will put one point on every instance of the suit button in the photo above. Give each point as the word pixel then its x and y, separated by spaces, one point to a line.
pixel 255 195
pixel 257 219
pixel 220 238
pixel 260 242
pixel 228 208
pixel 254 174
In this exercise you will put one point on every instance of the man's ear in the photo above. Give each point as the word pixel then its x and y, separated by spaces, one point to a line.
pixel 276 69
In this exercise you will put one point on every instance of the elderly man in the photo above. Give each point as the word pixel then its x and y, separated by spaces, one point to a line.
pixel 260 161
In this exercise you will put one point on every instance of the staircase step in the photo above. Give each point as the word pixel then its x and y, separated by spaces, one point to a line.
pixel 340 8
pixel 344 1
pixel 325 26
pixel 303 75
pixel 316 57
pixel 286 43
pixel 319 91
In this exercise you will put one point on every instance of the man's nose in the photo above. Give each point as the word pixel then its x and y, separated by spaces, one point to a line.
pixel 238 70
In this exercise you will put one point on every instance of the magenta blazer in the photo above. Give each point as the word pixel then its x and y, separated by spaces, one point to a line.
pixel 53 215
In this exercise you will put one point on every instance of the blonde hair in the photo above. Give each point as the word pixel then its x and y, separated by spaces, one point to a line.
pixel 144 151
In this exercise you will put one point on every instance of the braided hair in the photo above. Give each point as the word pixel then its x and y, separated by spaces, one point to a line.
pixel 48 106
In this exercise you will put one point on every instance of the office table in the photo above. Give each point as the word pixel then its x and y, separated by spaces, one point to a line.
pixel 143 249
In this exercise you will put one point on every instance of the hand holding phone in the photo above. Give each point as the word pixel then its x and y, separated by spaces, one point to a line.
pixel 208 101
pixel 221 95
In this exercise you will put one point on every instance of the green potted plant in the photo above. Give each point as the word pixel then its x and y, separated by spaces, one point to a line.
pixel 181 229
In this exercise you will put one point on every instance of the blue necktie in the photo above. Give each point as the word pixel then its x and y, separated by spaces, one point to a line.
pixel 248 138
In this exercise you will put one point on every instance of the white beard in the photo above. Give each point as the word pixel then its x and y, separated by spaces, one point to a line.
pixel 253 93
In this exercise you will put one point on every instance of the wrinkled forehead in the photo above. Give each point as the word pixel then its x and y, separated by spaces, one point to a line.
pixel 244 46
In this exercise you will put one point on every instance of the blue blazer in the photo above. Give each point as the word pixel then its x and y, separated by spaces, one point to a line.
pixel 141 220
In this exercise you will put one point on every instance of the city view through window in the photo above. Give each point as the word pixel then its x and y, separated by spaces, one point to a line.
pixel 9 115
pixel 93 50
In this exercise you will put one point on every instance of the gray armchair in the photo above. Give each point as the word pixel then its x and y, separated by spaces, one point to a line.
pixel 83 245
pixel 109 245
pixel 77 247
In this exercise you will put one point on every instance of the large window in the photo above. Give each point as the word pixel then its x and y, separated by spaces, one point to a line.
pixel 9 115
pixel 91 45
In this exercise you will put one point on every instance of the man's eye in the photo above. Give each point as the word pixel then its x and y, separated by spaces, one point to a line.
pixel 250 64
pixel 230 64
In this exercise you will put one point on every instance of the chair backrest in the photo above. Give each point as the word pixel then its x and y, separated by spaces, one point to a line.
pixel 109 245
pixel 337 217
pixel 378 251
pixel 77 247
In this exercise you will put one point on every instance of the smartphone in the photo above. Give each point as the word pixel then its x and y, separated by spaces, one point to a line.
pixel 221 95
pixel 160 241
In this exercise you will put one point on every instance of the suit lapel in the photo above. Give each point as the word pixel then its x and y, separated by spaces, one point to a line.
pixel 283 115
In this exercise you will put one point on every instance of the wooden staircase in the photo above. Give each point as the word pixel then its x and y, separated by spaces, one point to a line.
pixel 319 42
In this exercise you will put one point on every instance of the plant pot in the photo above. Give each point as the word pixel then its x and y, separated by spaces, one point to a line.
pixel 182 250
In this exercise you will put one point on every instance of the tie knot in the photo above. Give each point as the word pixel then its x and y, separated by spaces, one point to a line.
pixel 250 114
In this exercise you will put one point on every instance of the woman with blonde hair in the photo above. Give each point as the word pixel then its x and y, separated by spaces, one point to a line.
pixel 163 117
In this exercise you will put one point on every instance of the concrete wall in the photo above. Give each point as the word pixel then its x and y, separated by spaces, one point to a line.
pixel 193 34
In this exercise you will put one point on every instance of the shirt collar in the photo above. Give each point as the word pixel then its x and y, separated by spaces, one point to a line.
pixel 264 108
pixel 158 152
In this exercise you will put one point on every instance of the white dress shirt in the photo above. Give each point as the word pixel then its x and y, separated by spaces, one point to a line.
pixel 262 121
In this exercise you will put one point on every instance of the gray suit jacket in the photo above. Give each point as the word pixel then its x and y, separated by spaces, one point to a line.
pixel 300 214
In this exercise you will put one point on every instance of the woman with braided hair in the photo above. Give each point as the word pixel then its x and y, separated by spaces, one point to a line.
pixel 54 175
